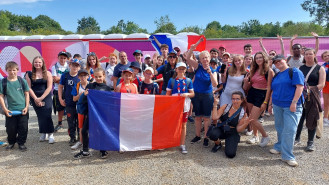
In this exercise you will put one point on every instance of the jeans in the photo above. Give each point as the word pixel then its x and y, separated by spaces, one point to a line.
pixel 286 126
pixel 163 92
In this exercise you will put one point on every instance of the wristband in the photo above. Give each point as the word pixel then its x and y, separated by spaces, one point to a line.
pixel 265 102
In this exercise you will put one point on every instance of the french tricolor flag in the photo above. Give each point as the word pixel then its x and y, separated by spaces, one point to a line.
pixel 182 40
pixel 132 122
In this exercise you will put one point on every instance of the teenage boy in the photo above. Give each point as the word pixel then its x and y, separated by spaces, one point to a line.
pixel 138 58
pixel 57 70
pixel 77 91
pixel 148 60
pixel 65 97
pixel 16 90
pixel 247 49
pixel 148 86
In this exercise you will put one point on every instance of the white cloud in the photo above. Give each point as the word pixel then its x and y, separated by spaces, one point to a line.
pixel 9 2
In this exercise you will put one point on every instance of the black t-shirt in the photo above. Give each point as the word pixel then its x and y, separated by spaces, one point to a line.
pixel 152 88
pixel 313 79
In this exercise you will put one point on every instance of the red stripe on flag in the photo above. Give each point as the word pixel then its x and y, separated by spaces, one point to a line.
pixel 167 121
pixel 192 39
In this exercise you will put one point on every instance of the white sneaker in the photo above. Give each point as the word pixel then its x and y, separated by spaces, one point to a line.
pixel 42 137
pixel 264 141
pixel 76 145
pixel 183 148
pixel 51 139
pixel 292 162
pixel 253 140
pixel 273 151
pixel 249 133
pixel 325 122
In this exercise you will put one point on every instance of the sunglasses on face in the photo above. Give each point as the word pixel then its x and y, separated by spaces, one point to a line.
pixel 172 57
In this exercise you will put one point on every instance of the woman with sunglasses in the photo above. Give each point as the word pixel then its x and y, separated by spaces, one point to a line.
pixel 286 87
pixel 232 120
pixel 92 63
pixel 167 70
pixel 204 80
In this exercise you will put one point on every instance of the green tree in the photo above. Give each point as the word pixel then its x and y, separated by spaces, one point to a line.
pixel 125 28
pixel 251 28
pixel 4 22
pixel 43 21
pixel 232 32
pixel 214 25
pixel 88 25
pixel 319 9
pixel 164 25
pixel 195 29
pixel 213 33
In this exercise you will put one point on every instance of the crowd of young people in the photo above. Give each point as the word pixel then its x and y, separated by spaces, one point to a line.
pixel 228 94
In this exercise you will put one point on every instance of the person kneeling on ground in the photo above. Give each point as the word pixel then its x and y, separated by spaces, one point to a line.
pixel 232 120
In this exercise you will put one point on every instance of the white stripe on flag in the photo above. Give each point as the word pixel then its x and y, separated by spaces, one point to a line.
pixel 179 41
pixel 136 122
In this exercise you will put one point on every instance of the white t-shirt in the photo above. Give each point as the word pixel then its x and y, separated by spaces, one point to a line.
pixel 296 63
pixel 108 73
pixel 61 69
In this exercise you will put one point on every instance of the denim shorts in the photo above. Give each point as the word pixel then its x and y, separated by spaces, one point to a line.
pixel 202 104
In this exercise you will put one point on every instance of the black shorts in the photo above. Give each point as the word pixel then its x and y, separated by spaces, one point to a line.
pixel 57 104
pixel 256 96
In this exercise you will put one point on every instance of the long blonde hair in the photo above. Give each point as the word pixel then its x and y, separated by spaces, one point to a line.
pixel 233 69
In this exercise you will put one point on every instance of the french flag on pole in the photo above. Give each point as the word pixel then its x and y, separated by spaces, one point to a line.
pixel 132 122
pixel 182 40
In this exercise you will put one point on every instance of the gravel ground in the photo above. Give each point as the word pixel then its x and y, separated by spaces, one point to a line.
pixel 44 163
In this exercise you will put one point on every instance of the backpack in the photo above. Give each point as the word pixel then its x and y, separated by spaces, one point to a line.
pixel 290 73
pixel 4 90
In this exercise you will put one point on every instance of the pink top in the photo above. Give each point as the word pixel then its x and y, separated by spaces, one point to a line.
pixel 258 81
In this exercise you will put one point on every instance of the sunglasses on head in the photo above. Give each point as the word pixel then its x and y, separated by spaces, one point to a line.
pixel 172 56
pixel 91 54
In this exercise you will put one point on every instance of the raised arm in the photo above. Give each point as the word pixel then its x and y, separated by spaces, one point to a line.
pixel 291 43
pixel 281 44
pixel 156 41
pixel 316 41
pixel 189 60
pixel 262 46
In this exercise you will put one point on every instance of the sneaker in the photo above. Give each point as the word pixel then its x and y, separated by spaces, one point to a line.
pixel 42 137
pixel 183 148
pixel 76 145
pixel 205 142
pixel 22 148
pixel 267 113
pixel 253 140
pixel 58 127
pixel 10 146
pixel 249 133
pixel 273 151
pixel 264 141
pixel 104 154
pixel 3 144
pixel 261 120
pixel 195 139
pixel 72 141
pixel 51 139
pixel 292 162
pixel 190 119
pixel 81 154
pixel 216 148
pixel 310 146
pixel 297 142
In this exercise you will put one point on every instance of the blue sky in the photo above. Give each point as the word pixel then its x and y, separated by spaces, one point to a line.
pixel 181 12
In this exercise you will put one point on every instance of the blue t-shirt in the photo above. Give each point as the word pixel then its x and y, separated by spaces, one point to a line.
pixel 326 67
pixel 180 83
pixel 202 81
pixel 284 88
pixel 119 68
pixel 68 82
pixel 215 70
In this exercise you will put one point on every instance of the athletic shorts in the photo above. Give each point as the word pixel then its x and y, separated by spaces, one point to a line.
pixel 202 104
pixel 58 105
pixel 326 88
pixel 185 116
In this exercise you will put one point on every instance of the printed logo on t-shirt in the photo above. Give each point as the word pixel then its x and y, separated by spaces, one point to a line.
pixel 70 82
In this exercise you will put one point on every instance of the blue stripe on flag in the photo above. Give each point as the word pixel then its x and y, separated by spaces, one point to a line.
pixel 104 120
pixel 163 39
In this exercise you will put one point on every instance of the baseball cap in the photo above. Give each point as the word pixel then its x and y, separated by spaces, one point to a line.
pixel 128 70
pixel 180 64
pixel 82 71
pixel 75 60
pixel 149 69
pixel 63 53
pixel 137 51
pixel 147 56
pixel 278 57
pixel 227 53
